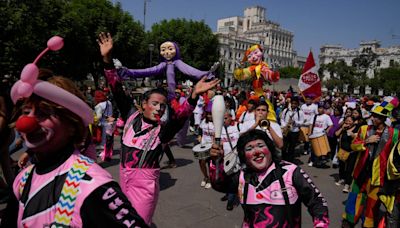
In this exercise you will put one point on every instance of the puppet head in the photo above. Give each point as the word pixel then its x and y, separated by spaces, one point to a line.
pixel 254 55
pixel 169 51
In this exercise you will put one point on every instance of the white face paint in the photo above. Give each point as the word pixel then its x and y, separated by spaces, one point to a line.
pixel 167 50
pixel 258 156
pixel 51 134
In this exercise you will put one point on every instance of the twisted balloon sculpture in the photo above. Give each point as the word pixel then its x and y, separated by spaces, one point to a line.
pixel 29 84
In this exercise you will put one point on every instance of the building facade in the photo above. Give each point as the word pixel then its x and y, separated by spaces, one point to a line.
pixel 236 34
pixel 385 57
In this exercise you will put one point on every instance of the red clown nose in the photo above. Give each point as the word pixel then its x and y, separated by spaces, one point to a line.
pixel 26 124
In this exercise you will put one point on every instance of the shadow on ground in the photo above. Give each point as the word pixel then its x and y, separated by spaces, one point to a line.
pixel 166 181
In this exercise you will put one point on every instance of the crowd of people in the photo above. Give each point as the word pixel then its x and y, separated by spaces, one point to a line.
pixel 63 131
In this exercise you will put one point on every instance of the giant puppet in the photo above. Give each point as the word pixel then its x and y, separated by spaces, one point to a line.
pixel 258 72
pixel 170 59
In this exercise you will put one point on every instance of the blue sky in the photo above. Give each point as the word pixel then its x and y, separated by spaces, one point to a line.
pixel 313 22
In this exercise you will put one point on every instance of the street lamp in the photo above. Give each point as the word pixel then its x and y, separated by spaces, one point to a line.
pixel 151 49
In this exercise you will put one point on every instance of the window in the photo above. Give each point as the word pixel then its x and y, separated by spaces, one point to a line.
pixel 228 23
pixel 378 62
pixel 391 63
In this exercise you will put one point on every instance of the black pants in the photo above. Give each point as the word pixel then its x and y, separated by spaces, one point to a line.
pixel 346 168
pixel 291 141
pixel 332 144
pixel 168 152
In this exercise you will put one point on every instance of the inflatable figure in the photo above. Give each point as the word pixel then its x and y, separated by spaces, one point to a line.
pixel 258 71
pixel 171 59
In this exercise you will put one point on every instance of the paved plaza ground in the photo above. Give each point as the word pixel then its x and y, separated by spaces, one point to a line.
pixel 183 203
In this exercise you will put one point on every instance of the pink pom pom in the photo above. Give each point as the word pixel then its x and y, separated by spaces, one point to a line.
pixel 55 43
pixel 25 89
pixel 30 73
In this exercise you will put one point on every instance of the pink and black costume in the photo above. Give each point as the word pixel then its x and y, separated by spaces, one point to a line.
pixel 51 194
pixel 262 199
pixel 142 147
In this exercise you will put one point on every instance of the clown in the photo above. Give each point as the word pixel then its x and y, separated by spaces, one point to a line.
pixel 63 188
pixel 258 70
pixel 270 191
pixel 171 59
pixel 373 145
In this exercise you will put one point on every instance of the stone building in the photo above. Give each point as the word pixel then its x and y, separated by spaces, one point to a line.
pixel 385 57
pixel 236 34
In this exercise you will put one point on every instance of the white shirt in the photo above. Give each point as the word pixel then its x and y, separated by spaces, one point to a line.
pixel 208 132
pixel 247 125
pixel 321 123
pixel 247 116
pixel 297 119
pixel 103 110
pixel 234 134
pixel 199 106
pixel 309 112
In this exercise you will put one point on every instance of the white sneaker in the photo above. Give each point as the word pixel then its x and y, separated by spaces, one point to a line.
pixel 203 183
pixel 310 164
pixel 339 182
pixel 207 186
pixel 346 188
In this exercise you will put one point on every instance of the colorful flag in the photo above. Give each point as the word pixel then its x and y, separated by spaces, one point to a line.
pixel 309 82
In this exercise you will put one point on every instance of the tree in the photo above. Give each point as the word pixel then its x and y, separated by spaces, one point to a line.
pixel 29 24
pixel 339 75
pixel 197 44
pixel 290 72
pixel 388 79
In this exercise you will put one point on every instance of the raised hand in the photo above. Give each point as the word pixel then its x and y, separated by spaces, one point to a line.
pixel 202 86
pixel 105 42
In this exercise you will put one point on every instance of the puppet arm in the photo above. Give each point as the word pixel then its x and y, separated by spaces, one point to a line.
pixel 125 73
pixel 191 71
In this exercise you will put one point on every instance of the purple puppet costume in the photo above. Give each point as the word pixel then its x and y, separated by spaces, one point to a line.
pixel 170 55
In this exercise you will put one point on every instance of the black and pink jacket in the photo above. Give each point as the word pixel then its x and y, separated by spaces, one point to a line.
pixel 264 205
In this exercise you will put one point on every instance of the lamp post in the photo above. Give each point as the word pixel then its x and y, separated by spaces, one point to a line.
pixel 151 49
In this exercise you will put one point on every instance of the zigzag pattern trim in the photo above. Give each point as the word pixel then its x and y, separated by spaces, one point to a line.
pixel 24 179
pixel 66 202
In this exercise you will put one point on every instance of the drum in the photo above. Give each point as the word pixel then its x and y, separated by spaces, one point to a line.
pixel 202 151
pixel 303 136
pixel 320 145
pixel 231 163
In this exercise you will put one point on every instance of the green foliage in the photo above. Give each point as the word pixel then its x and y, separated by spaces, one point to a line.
pixel 388 79
pixel 290 72
pixel 29 24
pixel 197 44
pixel 339 75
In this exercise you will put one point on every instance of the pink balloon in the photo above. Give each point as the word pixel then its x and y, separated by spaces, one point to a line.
pixel 55 43
pixel 30 73
pixel 25 89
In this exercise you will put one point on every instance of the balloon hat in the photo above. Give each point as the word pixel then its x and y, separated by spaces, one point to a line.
pixel 29 84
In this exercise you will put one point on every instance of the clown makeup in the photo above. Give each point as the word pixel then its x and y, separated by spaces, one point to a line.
pixel 154 107
pixel 258 156
pixel 167 50
pixel 255 57
pixel 45 132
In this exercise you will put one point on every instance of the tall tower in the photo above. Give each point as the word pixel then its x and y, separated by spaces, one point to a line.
pixel 252 15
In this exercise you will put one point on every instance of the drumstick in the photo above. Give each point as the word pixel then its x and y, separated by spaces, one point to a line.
pixel 218 112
